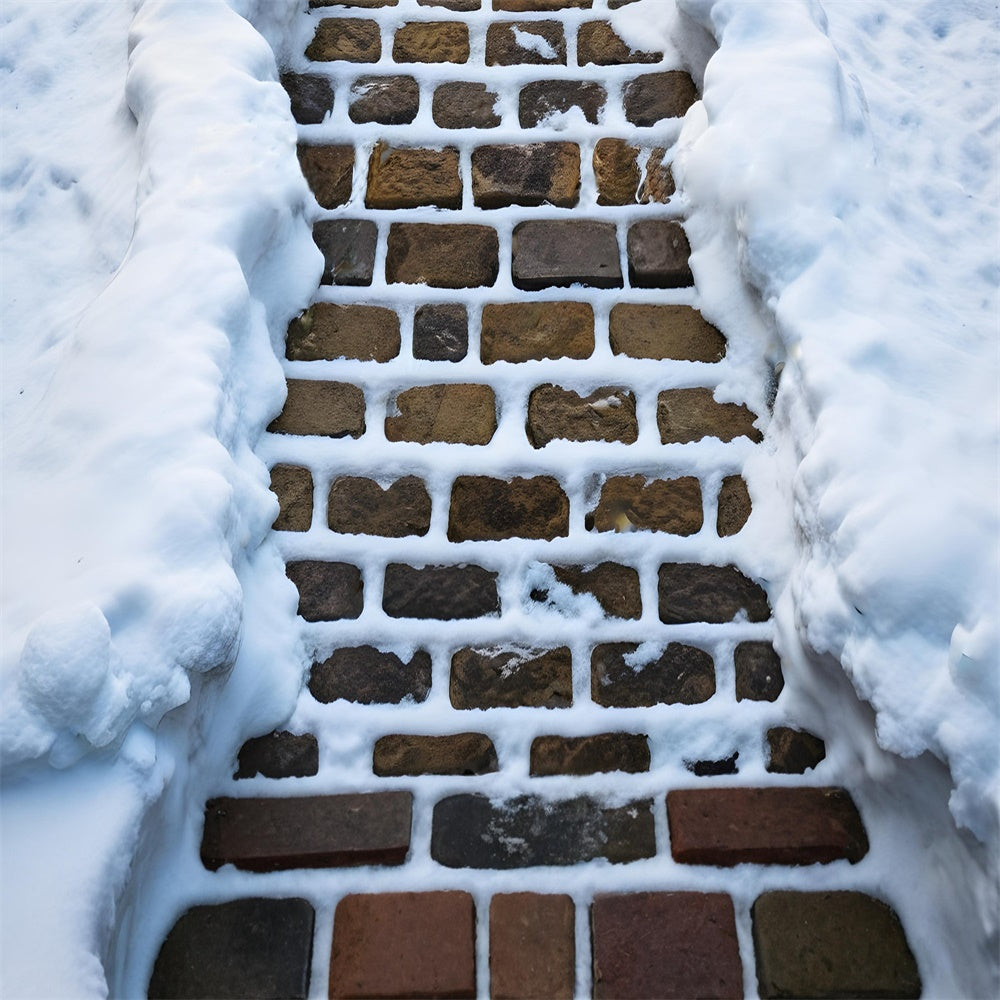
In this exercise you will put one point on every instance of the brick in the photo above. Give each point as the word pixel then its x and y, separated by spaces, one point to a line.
pixel 614 587
pixel 471 831
pixel 758 672
pixel 441 332
pixel 511 678
pixel 793 751
pixel 713 768
pixel 488 509
pixel 384 100
pixel 684 415
pixel 411 178
pixel 327 331
pixel 533 173
pixel 456 414
pixel 658 183
pixel 633 503
pixel 318 831
pixel 734 506
pixel 531 331
pixel 664 331
pixel 348 247
pixel 329 172
pixel 680 675
pixel 831 944
pixel 589 754
pixel 463 104
pixel 359 506
pixel 369 676
pixel 527 6
pixel 540 100
pixel 557 254
pixel 513 43
pixel 444 592
pixel 246 948
pixel 607 414
pixel 658 253
pixel 615 4
pixel 665 946
pixel 690 592
pixel 328 591
pixel 431 42
pixel 310 96
pixel 651 98
pixel 442 256
pixel 598 44
pixel 353 3
pixel 616 170
pixel 345 39
pixel 293 487
pixel 532 947
pixel 764 826
pixel 329 409
pixel 399 945
pixel 459 5
pixel 279 755
pixel 399 755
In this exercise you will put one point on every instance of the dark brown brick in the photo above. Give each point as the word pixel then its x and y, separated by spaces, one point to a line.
pixel 471 831
pixel 442 256
pixel 633 503
pixel 243 949
pixel 684 415
pixel 758 672
pixel 557 254
pixel 441 332
pixel 353 3
pixel 831 944
pixel 348 247
pixel 319 831
pixel 345 39
pixel 465 105
pixel 459 5
pixel 589 754
pixel 330 409
pixel 690 592
pixel 328 591
pixel 503 47
pixel 526 174
pixel 399 755
pixel 400 945
pixel 293 487
pixel 368 676
pixel 607 414
pixel 616 170
pixel 279 755
pixel 326 331
pixel 655 96
pixel 445 592
pixel 713 768
pixel 431 42
pixel 359 506
pixel 764 826
pixel 456 414
pixel 527 6
pixel 488 509
pixel 598 44
pixel 512 678
pixel 680 675
pixel 532 947
pixel 411 178
pixel 531 331
pixel 658 183
pixel 310 95
pixel 329 172
pixel 793 751
pixel 614 587
pixel 658 253
pixel 734 506
pixel 385 100
pixel 665 946
pixel 664 331
pixel 615 4
pixel 539 101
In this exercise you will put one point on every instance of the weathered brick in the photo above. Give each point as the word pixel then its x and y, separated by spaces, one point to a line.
pixel 690 592
pixel 359 506
pixel 680 675
pixel 667 945
pixel 531 331
pixel 607 414
pixel 399 755
pixel 511 678
pixel 345 39
pixel 831 944
pixel 614 587
pixel 597 43
pixel 326 331
pixel 385 100
pixel 310 96
pixel 527 6
pixel 348 247
pixel 664 331
pixel 441 332
pixel 633 503
pixel 410 178
pixel 658 183
pixel 764 826
pixel 329 172
pixel 758 672
pixel 616 170
pixel 488 509
pixel 317 831
pixel 459 5
pixel 279 755
pixel 526 174
pixel 684 415
pixel 245 948
pixel 511 43
pixel 713 768
pixel 540 100
pixel 589 754
pixel 456 414
pixel 353 3
pixel 734 506
pixel 293 487
pixel 651 98
pixel 328 591
pixel 330 409
pixel 399 945
pixel 444 592
pixel 431 42
pixel 442 256
pixel 463 104
pixel 369 676
pixel 658 253
pixel 557 254
pixel 532 947
pixel 471 831
pixel 793 751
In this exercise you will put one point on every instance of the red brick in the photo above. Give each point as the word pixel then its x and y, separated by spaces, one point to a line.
pixel 487 509
pixel 532 947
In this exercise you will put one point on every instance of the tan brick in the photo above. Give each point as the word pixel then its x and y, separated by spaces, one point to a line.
pixel 661 331
pixel 633 503
pixel 329 172
pixel 487 509
pixel 330 409
pixel 616 170
pixel 526 174
pixel 504 49
pixel 658 183
pixel 531 331
pixel 457 414
pixel 359 506
pixel 597 43
pixel 734 506
pixel 532 947
pixel 607 414
pixel 326 331
pixel 527 6
pixel 431 42
pixel 345 39
pixel 398 755
pixel 293 487
pixel 684 415
pixel 410 178
pixel 442 256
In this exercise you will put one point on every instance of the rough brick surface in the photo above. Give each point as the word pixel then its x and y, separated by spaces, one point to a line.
pixel 526 174
pixel 345 39
pixel 680 675
pixel 532 947
pixel 488 509
pixel 658 184
pixel 348 247
pixel 655 96
pixel 368 676
pixel 658 253
pixel 633 503
pixel 664 331
pixel 279 755
pixel 527 6
pixel 540 100
pixel 616 170
pixel 504 49
pixel 793 751
pixel 444 592
pixel 385 100
pixel 441 332
pixel 557 254
pixel 532 331
pixel 329 171
pixel 431 42
pixel 328 591
pixel 293 487
pixel 456 414
pixel 589 754
pixel 758 672
pixel 684 415
pixel 597 43
pixel 359 506
pixel 326 331
pixel 713 768
pixel 463 753
pixel 411 178
pixel 310 95
pixel 607 414
pixel 368 4
pixel 690 592
pixel 462 104
pixel 457 5
pixel 512 678
pixel 331 409
pixel 613 586
pixel 442 256
pixel 734 506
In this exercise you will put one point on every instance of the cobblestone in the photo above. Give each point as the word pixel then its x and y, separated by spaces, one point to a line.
pixel 370 676
pixel 279 755
pixel 680 675
pixel 442 256
pixel 531 331
pixel 329 171
pixel 326 331
pixel 398 755
pixel 359 506
pixel 456 414
pixel 490 509
pixel 410 178
pixel 526 174
pixel 293 487
pixel 606 414
pixel 515 678
pixel 465 105
pixel 385 100
pixel 348 247
pixel 589 754
pixel 504 49
pixel 347 40
pixel 661 331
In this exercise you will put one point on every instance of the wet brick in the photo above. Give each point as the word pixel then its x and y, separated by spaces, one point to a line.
pixel 328 591
pixel 488 509
pixel 589 754
pixel 680 675
pixel 366 675
pixel 279 755
pixel 348 247
pixel 690 592
pixel 441 332
pixel 400 755
pixel 444 592
pixel 758 672
pixel 512 678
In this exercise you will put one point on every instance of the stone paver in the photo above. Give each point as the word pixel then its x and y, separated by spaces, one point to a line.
pixel 532 949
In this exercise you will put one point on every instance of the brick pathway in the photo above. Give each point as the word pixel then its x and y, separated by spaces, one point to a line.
pixel 518 622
